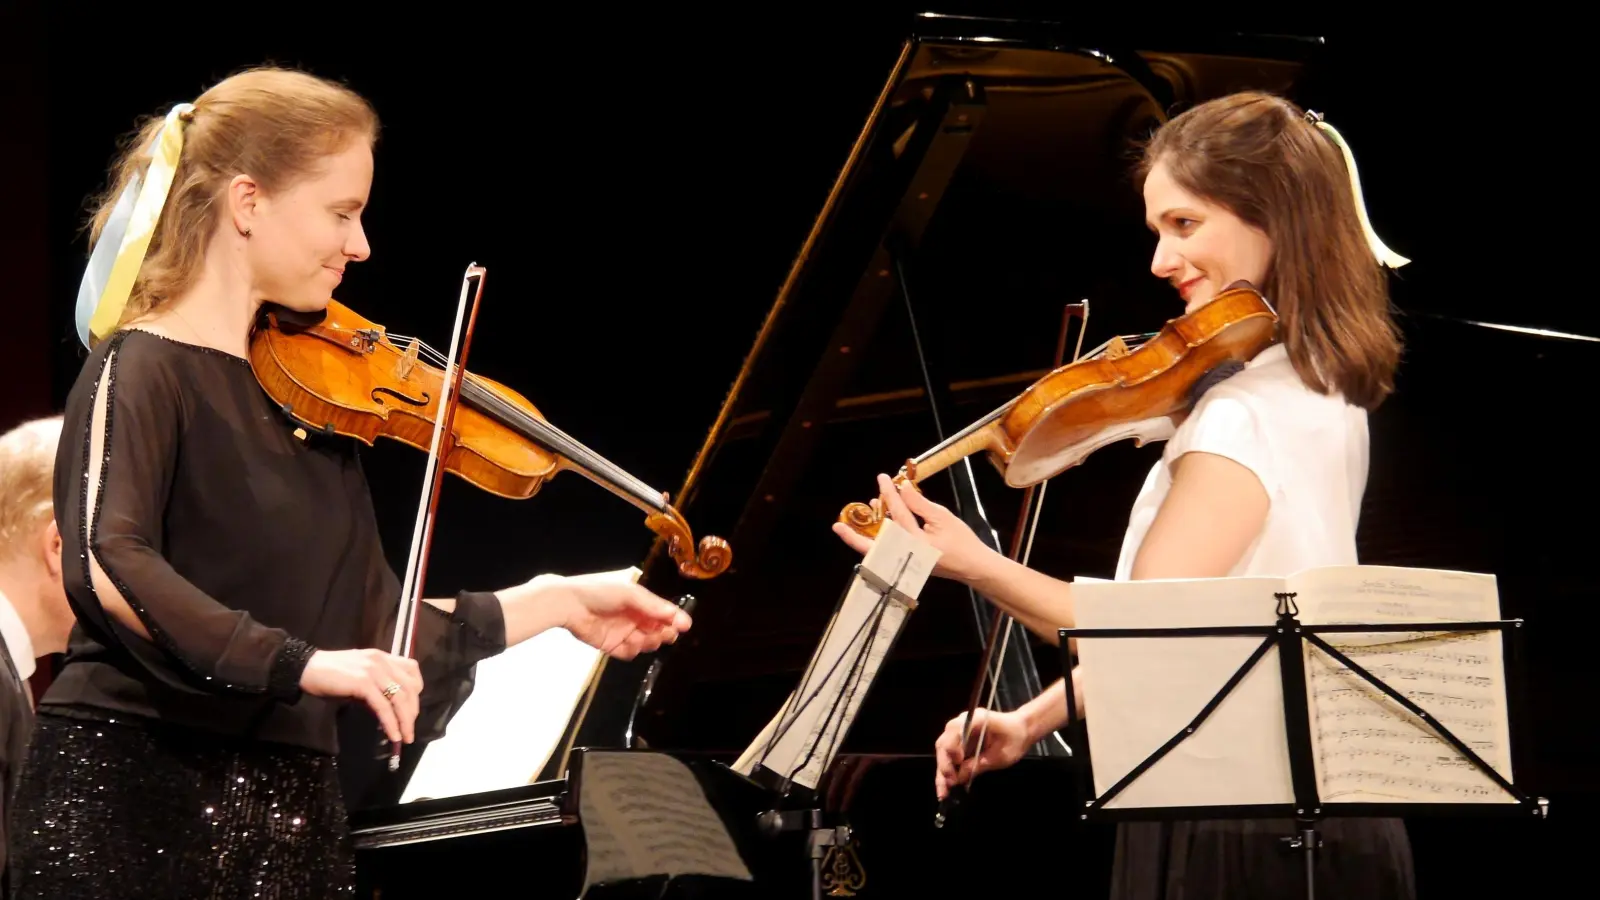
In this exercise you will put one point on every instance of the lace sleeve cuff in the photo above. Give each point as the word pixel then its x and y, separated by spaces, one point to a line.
pixel 283 681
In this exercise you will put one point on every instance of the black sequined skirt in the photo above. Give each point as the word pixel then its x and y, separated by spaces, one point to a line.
pixel 135 809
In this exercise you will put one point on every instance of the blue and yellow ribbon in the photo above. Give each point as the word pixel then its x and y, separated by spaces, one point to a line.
pixel 119 253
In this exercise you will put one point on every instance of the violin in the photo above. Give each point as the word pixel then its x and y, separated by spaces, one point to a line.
pixel 336 372
pixel 339 373
pixel 1115 393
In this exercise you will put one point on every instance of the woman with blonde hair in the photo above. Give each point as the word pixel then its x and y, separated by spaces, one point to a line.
pixel 226 572
pixel 1264 476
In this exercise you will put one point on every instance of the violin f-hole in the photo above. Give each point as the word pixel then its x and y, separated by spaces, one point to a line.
pixel 399 396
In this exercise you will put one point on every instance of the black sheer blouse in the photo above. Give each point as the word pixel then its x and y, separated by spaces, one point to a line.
pixel 242 548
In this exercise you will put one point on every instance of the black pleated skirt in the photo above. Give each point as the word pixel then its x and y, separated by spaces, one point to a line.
pixel 129 808
pixel 1246 859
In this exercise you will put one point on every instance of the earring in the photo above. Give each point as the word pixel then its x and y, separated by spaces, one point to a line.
pixel 247 232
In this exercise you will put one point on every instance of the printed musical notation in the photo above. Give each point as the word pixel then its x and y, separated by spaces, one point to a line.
pixel 1366 746
pixel 868 650
pixel 1369 747
pixel 645 815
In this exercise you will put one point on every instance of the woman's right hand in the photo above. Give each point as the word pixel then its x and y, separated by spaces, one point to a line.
pixel 1003 744
pixel 364 675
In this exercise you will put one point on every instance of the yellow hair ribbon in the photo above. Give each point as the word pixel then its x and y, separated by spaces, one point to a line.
pixel 119 253
pixel 1385 256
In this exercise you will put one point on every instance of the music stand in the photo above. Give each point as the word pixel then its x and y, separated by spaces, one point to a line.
pixel 790 756
pixel 1289 637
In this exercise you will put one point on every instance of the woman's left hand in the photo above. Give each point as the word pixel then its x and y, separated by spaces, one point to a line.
pixel 963 557
pixel 621 619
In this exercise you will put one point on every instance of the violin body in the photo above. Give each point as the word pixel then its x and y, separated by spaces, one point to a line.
pixel 343 375
pixel 339 373
pixel 1113 396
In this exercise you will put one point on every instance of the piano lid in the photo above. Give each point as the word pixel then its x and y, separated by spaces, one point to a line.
pixel 990 186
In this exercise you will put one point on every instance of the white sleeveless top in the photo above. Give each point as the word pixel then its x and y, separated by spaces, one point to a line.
pixel 1309 450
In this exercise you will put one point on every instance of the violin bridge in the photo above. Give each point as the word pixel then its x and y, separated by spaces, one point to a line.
pixel 1117 348
pixel 407 361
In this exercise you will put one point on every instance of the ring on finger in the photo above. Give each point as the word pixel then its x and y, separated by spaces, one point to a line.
pixel 392 689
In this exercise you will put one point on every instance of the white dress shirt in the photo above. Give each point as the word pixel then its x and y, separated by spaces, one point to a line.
pixel 15 634
pixel 1309 450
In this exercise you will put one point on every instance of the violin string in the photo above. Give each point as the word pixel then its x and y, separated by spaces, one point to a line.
pixel 1126 339
pixel 562 443
pixel 550 435
pixel 963 433
pixel 1001 410
pixel 553 436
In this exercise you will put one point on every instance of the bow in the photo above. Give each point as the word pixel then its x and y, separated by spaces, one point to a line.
pixel 428 503
pixel 1001 625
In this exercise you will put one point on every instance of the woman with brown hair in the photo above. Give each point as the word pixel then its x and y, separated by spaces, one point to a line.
pixel 226 571
pixel 1264 476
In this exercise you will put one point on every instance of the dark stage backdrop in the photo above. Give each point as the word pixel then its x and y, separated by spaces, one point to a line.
pixel 637 185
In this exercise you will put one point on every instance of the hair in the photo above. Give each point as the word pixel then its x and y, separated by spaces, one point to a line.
pixel 27 481
pixel 1258 156
pixel 272 123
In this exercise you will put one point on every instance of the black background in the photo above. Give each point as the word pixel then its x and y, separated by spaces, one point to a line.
pixel 637 184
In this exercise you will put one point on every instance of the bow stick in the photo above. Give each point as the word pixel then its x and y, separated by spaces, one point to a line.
pixel 428 504
pixel 1027 522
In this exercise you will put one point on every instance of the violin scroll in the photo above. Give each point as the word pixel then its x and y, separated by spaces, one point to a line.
pixel 866 518
pixel 863 519
pixel 707 560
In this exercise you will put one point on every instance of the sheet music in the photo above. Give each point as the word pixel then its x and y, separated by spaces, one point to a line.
pixel 802 739
pixel 1368 747
pixel 1140 692
pixel 521 702
pixel 643 815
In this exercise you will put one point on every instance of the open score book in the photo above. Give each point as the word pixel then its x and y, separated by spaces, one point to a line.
pixel 1140 692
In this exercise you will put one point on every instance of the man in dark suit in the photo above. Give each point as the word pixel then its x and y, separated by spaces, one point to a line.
pixel 34 616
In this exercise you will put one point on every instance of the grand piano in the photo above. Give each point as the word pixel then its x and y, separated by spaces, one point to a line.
pixel 988 189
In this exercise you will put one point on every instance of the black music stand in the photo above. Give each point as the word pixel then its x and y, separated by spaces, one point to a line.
pixel 797 807
pixel 1288 635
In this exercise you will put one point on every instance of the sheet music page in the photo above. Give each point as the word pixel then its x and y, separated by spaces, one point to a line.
pixel 644 814
pixel 803 737
pixel 1140 692
pixel 1368 747
pixel 521 702
pixel 825 732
